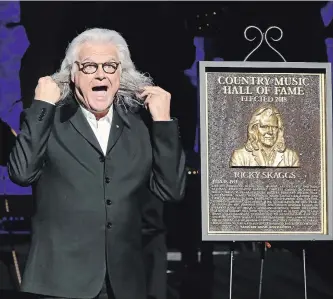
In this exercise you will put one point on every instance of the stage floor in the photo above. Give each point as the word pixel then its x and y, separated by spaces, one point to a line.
pixel 283 277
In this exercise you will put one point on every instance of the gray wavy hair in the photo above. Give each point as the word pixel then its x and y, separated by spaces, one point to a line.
pixel 252 132
pixel 131 80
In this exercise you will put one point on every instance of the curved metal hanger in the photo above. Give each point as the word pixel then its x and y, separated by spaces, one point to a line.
pixel 264 36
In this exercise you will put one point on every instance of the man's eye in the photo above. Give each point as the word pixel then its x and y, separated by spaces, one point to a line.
pixel 89 65
pixel 110 65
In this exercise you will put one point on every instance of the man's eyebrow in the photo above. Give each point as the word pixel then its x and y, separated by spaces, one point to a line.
pixel 113 59
pixel 88 59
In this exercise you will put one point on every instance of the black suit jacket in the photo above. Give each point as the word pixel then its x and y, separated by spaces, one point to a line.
pixel 89 206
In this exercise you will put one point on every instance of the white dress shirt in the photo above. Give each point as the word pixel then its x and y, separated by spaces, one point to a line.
pixel 101 127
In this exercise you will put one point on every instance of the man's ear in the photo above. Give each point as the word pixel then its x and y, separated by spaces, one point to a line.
pixel 73 71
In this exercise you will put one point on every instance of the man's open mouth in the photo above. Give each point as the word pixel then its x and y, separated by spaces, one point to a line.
pixel 100 88
pixel 100 91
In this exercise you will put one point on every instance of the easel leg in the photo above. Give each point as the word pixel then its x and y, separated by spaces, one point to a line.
pixel 304 272
pixel 262 261
pixel 232 252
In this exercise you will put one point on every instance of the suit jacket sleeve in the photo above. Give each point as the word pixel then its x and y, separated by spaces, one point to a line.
pixel 7 141
pixel 27 157
pixel 168 176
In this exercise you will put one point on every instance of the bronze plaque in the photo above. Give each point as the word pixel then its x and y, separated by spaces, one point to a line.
pixel 266 145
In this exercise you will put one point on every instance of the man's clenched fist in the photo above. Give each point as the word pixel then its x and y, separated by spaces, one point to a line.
pixel 47 90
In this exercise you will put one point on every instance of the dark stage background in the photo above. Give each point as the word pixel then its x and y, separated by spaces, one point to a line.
pixel 166 39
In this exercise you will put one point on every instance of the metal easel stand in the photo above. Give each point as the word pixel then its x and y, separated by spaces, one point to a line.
pixel 263 250
pixel 263 245
pixel 304 274
pixel 232 253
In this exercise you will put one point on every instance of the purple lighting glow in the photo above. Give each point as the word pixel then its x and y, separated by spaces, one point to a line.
pixel 327 13
pixel 13 44
pixel 201 44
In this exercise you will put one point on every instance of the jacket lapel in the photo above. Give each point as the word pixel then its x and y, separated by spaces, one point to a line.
pixel 119 120
pixel 278 159
pixel 73 113
pixel 82 126
pixel 258 158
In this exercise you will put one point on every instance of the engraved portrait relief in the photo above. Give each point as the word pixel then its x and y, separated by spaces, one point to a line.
pixel 265 145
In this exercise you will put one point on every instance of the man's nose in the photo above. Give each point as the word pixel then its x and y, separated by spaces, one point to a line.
pixel 100 74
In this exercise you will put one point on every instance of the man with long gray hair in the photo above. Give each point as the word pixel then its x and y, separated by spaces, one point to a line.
pixel 95 162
